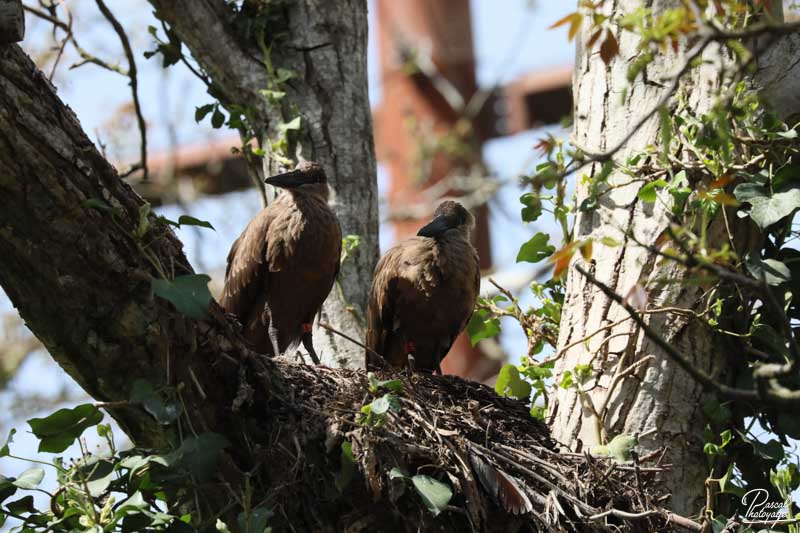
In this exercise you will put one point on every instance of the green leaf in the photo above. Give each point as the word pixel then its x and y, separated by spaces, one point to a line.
pixel 648 193
pixel 396 473
pixel 134 504
pixel 7 488
pixel 58 431
pixel 766 210
pixel 186 220
pixel 726 484
pixel 272 96
pixel 718 413
pixel 144 220
pixel 536 249
pixel 101 477
pixel 394 385
pixel 135 463
pixel 786 176
pixel 97 203
pixel 199 455
pixel 772 271
pixel 23 505
pixel 639 64
pixel 435 494
pixel 533 206
pixel 292 125
pixel 771 451
pixel 4 451
pixel 384 403
pixel 201 112
pixel 255 521
pixel 482 325
pixel 621 447
pixel 600 450
pixel 726 437
pixel 104 430
pixel 583 372
pixel 143 393
pixel 744 192
pixel 217 119
pixel 283 75
pixel 30 478
pixel 509 383
pixel 567 380
pixel 347 467
pixel 189 294
pixel 789 423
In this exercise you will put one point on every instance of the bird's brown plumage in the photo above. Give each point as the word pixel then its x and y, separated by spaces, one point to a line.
pixel 283 265
pixel 424 291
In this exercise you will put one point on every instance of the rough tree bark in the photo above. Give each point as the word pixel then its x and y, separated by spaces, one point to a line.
pixel 658 400
pixel 80 275
pixel 327 51
pixel 12 21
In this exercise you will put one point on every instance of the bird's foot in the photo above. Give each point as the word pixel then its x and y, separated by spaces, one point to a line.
pixel 411 363
pixel 308 344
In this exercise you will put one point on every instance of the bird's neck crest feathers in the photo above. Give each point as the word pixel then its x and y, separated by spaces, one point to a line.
pixel 318 191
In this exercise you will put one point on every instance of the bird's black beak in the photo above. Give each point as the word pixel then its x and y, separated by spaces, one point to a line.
pixel 435 227
pixel 288 180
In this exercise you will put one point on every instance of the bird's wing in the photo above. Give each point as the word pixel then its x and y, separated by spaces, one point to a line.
pixel 380 311
pixel 338 265
pixel 245 275
pixel 471 294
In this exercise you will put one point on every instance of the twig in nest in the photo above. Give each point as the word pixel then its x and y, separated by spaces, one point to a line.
pixel 351 339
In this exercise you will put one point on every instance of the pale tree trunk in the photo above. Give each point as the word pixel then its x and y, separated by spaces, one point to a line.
pixel 327 52
pixel 658 401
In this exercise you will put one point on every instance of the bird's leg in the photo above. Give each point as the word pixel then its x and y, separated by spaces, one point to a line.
pixel 272 331
pixel 308 344
pixel 409 347
pixel 273 339
pixel 437 369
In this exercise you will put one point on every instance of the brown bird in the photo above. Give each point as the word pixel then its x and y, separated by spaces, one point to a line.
pixel 423 292
pixel 283 265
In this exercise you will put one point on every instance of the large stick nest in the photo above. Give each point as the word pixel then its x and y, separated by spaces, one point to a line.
pixel 506 472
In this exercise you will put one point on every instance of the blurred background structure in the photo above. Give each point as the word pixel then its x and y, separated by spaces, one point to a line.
pixel 461 91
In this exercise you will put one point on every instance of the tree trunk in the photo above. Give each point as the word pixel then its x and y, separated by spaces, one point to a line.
pixel 12 21
pixel 658 401
pixel 326 50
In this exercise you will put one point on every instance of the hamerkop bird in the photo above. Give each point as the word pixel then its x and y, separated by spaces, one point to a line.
pixel 424 291
pixel 283 265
